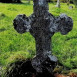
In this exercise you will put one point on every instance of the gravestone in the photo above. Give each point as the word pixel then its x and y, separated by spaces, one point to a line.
pixel 43 25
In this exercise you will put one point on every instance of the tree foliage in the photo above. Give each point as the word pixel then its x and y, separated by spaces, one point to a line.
pixel 10 1
pixel 75 2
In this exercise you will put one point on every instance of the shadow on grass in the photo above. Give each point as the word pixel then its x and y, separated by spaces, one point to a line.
pixel 2 29
pixel 24 69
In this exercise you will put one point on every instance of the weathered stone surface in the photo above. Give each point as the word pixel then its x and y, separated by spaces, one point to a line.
pixel 42 25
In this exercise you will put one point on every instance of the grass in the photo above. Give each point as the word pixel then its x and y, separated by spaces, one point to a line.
pixel 16 45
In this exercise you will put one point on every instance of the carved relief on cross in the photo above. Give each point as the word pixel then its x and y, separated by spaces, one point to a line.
pixel 42 25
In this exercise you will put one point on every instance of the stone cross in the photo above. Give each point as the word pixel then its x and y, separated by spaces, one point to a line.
pixel 42 25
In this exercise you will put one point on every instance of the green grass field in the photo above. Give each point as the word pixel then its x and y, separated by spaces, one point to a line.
pixel 17 46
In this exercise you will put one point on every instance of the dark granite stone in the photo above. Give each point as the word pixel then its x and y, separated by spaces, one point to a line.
pixel 42 25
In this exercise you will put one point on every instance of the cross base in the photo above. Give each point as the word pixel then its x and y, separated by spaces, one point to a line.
pixel 44 62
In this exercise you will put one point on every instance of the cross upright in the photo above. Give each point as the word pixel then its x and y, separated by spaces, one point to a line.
pixel 42 25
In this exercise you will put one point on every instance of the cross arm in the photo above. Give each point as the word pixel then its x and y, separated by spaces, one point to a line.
pixel 62 24
pixel 22 23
